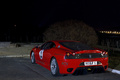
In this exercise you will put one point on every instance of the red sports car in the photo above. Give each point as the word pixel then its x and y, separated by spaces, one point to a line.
pixel 69 57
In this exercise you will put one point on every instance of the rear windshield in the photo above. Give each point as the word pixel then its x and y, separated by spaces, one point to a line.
pixel 76 46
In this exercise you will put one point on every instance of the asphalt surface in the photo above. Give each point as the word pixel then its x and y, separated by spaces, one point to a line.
pixel 22 69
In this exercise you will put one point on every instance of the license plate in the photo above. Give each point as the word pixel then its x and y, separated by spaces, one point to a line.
pixel 90 63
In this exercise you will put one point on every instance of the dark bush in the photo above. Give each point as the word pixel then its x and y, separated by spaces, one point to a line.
pixel 71 30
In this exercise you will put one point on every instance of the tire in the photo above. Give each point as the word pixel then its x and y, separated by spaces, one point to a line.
pixel 32 58
pixel 54 67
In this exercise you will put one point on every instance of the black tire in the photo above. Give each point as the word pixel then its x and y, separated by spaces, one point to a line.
pixel 32 58
pixel 54 68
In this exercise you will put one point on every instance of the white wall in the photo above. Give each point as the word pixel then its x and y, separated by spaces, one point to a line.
pixel 4 44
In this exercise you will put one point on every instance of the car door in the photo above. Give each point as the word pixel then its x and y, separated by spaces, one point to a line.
pixel 48 53
pixel 40 52
pixel 44 53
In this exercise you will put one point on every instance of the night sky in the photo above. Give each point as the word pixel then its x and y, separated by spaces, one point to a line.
pixel 96 13
pixel 40 13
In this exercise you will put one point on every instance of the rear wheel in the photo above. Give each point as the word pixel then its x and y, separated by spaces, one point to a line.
pixel 32 58
pixel 54 67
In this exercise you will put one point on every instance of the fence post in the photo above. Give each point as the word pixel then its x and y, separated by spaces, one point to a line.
pixel 117 44
pixel 108 45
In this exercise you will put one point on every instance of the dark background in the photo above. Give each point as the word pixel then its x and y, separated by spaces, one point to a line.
pixel 33 17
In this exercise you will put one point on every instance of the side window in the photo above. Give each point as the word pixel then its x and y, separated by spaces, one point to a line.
pixel 52 45
pixel 43 46
pixel 48 45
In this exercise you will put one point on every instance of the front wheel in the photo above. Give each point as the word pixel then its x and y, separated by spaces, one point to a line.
pixel 54 67
pixel 32 58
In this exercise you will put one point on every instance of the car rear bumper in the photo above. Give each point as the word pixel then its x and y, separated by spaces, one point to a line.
pixel 72 66
pixel 93 69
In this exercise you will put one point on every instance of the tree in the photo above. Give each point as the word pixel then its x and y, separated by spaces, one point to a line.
pixel 71 30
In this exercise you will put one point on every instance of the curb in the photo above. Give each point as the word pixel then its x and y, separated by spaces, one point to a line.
pixel 114 71
pixel 14 56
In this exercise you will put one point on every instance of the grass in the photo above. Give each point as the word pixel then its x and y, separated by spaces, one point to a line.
pixel 114 59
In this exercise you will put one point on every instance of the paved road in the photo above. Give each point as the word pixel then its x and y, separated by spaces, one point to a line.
pixel 22 69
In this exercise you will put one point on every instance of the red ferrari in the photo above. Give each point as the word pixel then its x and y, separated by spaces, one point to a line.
pixel 69 57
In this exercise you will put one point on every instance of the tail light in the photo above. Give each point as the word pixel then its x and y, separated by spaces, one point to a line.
pixel 107 53
pixel 67 53
pixel 70 55
pixel 104 54
pixel 73 54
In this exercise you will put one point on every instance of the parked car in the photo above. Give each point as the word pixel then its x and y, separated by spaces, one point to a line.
pixel 69 57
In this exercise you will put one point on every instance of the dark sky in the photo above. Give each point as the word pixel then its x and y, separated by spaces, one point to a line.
pixel 32 17
pixel 96 13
